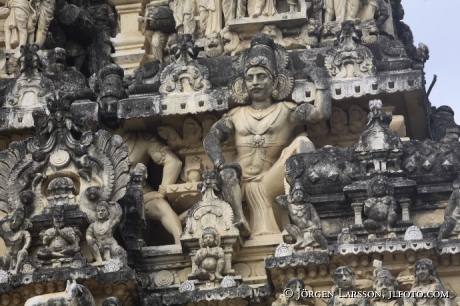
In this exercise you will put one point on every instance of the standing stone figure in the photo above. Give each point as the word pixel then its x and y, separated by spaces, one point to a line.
pixel 184 16
pixel 426 281
pixel 342 10
pixel 209 259
pixel 20 21
pixel 99 234
pixel 210 16
pixel 17 240
pixel 257 8
pixel 263 134
pixel 45 11
pixel 306 227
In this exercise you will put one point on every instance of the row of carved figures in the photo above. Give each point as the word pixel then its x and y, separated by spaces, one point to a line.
pixel 427 289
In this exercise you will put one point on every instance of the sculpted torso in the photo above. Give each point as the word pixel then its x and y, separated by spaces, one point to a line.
pixel 301 216
pixel 103 232
pixel 260 142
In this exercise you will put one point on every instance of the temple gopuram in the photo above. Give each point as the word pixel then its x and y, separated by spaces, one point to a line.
pixel 223 153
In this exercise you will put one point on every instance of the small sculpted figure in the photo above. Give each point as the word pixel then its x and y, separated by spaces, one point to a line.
pixel 426 280
pixel 210 16
pixel 263 133
pixel 59 241
pixel 385 284
pixel 13 230
pixel 184 16
pixel 342 10
pixel 294 288
pixel 233 43
pixel 380 207
pixel 20 20
pixel 258 8
pixel 308 37
pixel 209 259
pixel 99 234
pixel 345 237
pixel 343 283
pixel 214 45
pixel 306 227
pixel 451 225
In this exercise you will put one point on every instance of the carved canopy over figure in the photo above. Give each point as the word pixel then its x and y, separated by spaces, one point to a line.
pixel 209 259
pixel 99 234
pixel 426 280
pixel 263 133
pixel 13 230
pixel 306 227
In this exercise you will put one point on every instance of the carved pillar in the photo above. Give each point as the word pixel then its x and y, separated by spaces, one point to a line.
pixel 129 42
pixel 405 203
pixel 358 207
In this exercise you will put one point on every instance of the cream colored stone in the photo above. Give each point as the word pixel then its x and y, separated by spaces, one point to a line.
pixel 129 42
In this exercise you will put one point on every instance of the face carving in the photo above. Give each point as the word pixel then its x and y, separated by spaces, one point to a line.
pixel 259 83
pixel 214 46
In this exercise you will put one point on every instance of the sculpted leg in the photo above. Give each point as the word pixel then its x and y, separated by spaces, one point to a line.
pixel 274 186
pixel 446 227
pixel 231 193
pixel 22 255
pixel 319 237
pixel 352 9
pixel 340 8
pixel 156 208
pixel 295 232
pixel 94 248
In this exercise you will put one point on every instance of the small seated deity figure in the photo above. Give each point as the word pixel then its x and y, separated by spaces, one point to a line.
pixel 306 225
pixel 380 207
pixel 99 234
pixel 451 225
pixel 17 240
pixel 426 280
pixel 59 241
pixel 209 259
pixel 384 284
pixel 343 283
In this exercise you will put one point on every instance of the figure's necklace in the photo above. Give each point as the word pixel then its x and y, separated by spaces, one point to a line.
pixel 269 115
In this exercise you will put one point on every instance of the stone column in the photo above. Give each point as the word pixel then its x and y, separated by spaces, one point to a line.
pixel 405 203
pixel 129 42
pixel 358 207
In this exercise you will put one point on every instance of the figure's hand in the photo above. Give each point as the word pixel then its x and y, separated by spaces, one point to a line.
pixel 232 165
pixel 319 76
pixel 4 12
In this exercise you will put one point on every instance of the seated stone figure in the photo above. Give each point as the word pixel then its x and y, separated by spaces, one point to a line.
pixel 99 234
pixel 380 207
pixel 17 240
pixel 306 227
pixel 59 241
pixel 451 226
pixel 209 259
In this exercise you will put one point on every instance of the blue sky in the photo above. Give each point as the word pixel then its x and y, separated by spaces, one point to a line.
pixel 433 22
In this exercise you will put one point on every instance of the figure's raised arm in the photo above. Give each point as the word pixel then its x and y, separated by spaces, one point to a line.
pixel 116 213
pixel 219 133
pixel 321 108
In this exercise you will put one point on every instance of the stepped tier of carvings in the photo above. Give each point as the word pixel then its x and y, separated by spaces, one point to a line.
pixel 228 169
